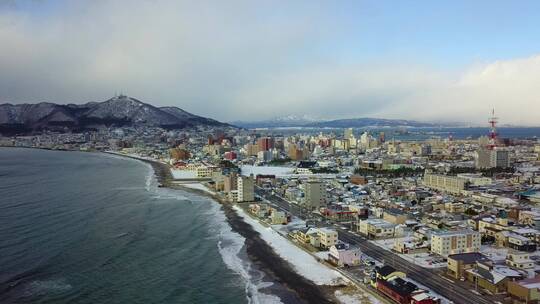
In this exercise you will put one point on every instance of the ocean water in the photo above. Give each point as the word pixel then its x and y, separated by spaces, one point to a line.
pixel 93 228
pixel 412 134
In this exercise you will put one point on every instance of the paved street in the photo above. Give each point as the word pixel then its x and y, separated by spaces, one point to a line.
pixel 427 277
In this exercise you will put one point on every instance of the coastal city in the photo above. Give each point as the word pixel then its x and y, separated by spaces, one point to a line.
pixel 269 152
pixel 384 220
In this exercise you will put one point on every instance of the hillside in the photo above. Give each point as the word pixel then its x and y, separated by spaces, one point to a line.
pixel 119 111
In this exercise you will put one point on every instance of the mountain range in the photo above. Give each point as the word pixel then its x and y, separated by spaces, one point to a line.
pixel 278 122
pixel 118 111
pixel 309 122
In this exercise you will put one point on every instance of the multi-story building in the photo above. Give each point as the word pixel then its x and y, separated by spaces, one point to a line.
pixel 251 149
pixel 376 228
pixel 525 291
pixel 395 216
pixel 341 255
pixel 314 194
pixel 265 155
pixel 230 182
pixel 458 264
pixel 328 237
pixel 246 186
pixel 452 184
pixel 492 158
pixel 265 143
pixel 518 259
pixel 205 171
pixel 454 242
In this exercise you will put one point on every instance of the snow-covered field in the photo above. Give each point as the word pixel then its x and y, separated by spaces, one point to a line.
pixel 304 263
pixel 277 171
pixel 355 298
pixel 179 174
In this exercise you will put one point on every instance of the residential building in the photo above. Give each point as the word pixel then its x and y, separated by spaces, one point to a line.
pixel 246 186
pixel 278 217
pixel 394 216
pixel 259 210
pixel 492 158
pixel 341 255
pixel 205 171
pixel 230 182
pixel 461 262
pixel 491 277
pixel 265 143
pixel 328 237
pixel 314 194
pixel 376 228
pixel 525 291
pixel 265 155
pixel 453 242
pixel 452 184
pixel 518 259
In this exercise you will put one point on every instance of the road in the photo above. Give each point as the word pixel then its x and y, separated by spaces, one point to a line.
pixel 430 278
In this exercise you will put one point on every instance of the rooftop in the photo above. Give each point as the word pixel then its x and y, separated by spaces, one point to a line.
pixel 470 257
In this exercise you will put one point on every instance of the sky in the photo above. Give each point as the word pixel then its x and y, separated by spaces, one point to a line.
pixel 253 60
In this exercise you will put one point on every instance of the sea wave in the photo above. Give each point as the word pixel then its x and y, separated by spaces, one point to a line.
pixel 42 287
pixel 230 245
pixel 151 185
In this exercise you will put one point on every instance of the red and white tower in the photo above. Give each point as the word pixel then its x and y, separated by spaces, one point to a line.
pixel 493 132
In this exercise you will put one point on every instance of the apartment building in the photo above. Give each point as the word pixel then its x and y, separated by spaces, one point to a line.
pixel 448 183
pixel 328 237
pixel 315 194
pixel 246 186
pixel 492 158
pixel 454 242
pixel 376 228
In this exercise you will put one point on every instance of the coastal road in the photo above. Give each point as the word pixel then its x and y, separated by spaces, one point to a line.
pixel 429 278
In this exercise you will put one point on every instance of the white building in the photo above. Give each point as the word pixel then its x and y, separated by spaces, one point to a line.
pixel 246 192
pixel 454 242
pixel 476 179
pixel 265 156
pixel 341 255
pixel 492 158
pixel 452 184
pixel 328 237
pixel 376 228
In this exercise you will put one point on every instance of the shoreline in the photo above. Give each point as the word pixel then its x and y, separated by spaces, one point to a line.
pixel 258 251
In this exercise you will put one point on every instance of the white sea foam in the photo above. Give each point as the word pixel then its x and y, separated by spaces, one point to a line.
pixel 151 185
pixel 47 287
pixel 230 245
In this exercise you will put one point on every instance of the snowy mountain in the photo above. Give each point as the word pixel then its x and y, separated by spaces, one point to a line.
pixel 283 122
pixel 310 122
pixel 117 111
pixel 370 122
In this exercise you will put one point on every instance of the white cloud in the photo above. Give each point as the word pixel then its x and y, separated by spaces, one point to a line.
pixel 240 60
